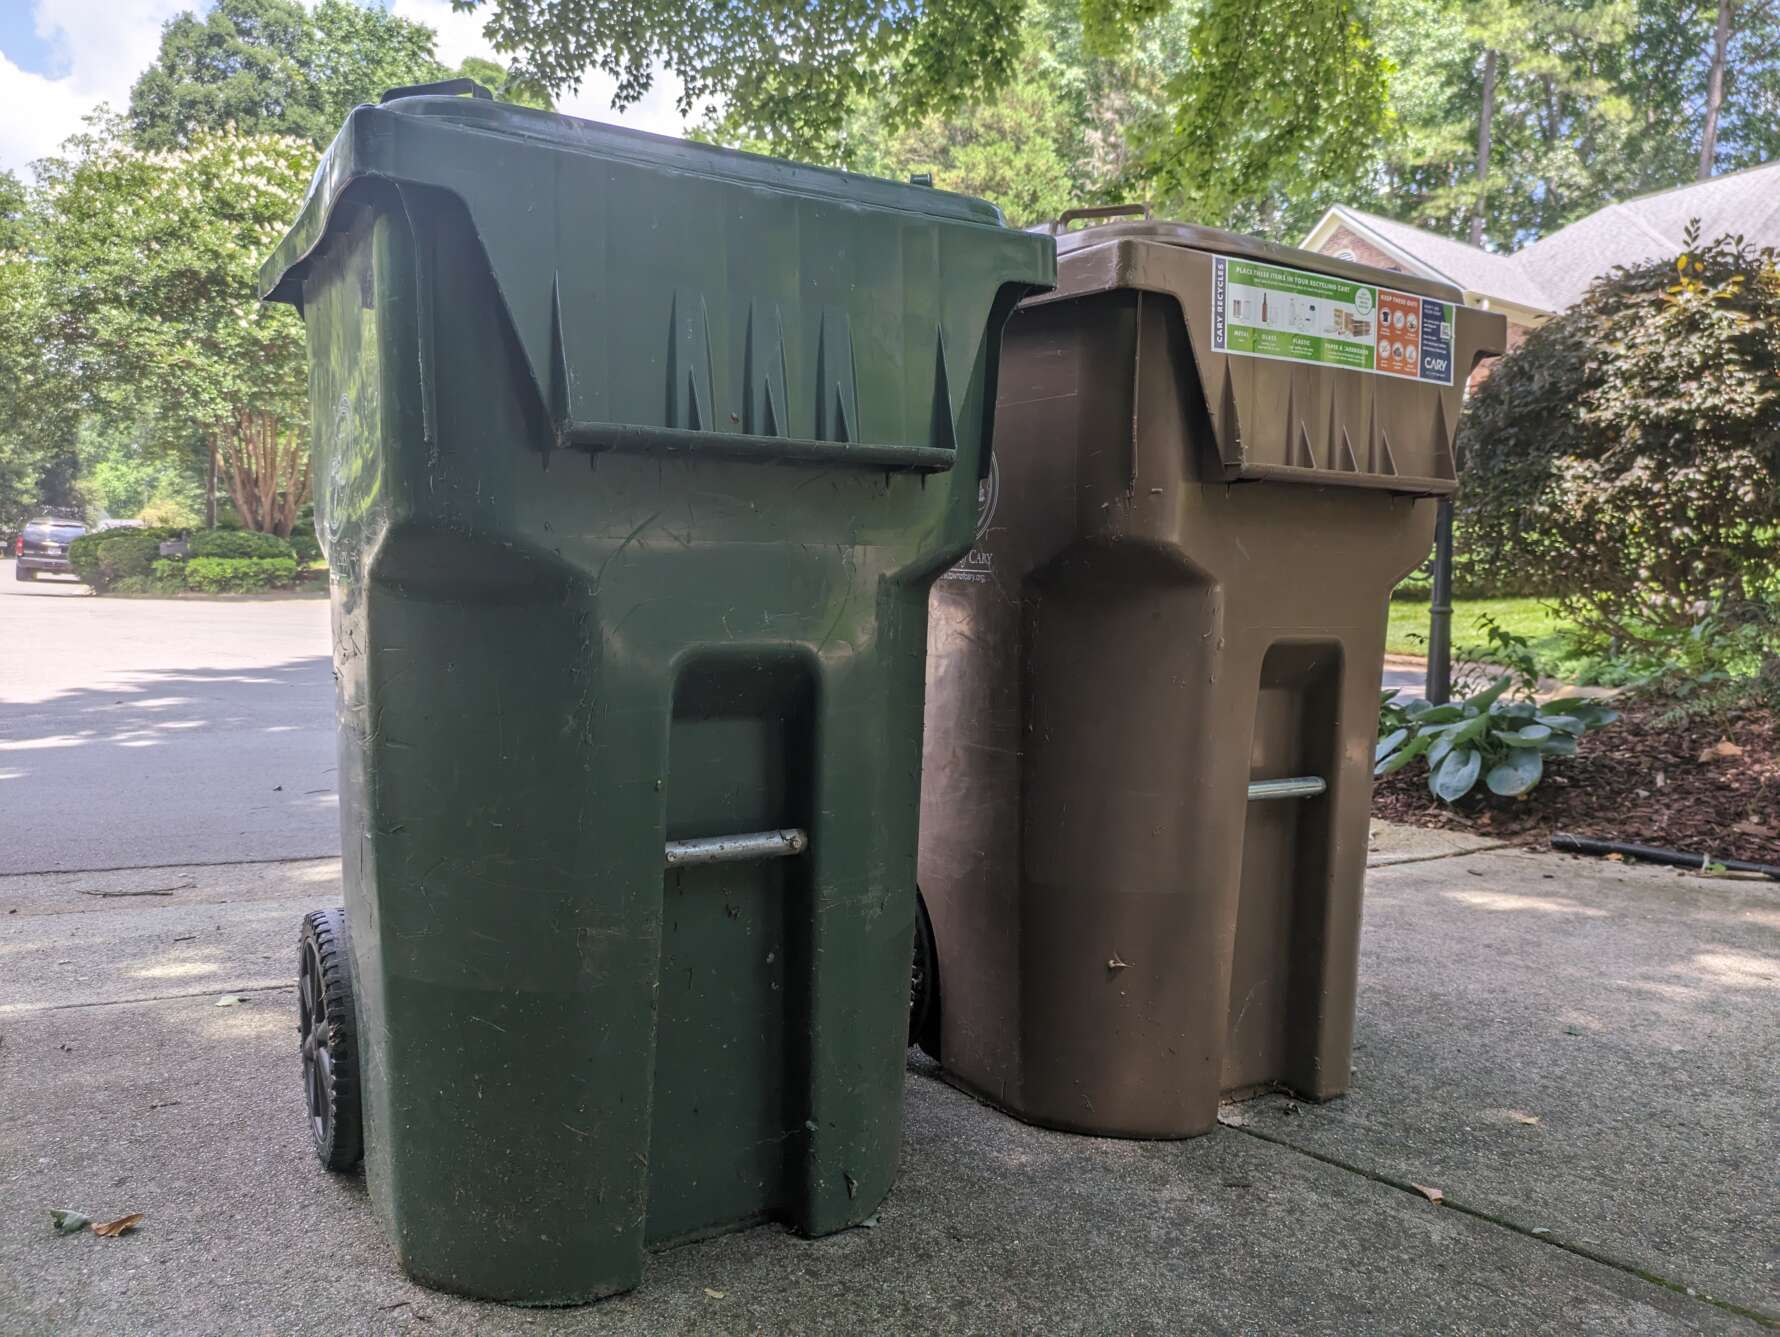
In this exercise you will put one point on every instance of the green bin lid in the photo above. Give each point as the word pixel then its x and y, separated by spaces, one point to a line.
pixel 363 149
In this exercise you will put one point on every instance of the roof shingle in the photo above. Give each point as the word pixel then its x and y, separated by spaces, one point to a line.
pixel 1555 271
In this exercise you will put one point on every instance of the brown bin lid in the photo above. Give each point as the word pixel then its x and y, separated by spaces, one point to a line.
pixel 1293 418
pixel 1220 242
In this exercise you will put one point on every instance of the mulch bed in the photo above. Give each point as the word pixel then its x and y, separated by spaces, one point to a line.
pixel 1631 781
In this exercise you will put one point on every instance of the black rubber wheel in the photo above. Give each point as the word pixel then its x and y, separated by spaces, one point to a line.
pixel 924 984
pixel 328 1028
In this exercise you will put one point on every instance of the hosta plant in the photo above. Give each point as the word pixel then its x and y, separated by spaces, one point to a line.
pixel 1486 737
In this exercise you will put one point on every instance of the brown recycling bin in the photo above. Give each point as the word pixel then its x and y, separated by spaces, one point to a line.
pixel 1213 459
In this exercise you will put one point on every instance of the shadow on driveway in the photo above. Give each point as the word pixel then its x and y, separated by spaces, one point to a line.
pixel 192 765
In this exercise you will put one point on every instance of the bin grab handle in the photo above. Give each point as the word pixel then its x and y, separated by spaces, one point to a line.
pixel 1298 786
pixel 734 849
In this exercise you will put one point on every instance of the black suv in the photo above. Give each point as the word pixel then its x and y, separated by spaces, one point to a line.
pixel 43 546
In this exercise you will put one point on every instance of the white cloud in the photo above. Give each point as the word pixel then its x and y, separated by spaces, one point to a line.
pixel 100 46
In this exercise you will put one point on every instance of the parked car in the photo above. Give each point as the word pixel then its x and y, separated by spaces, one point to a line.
pixel 43 546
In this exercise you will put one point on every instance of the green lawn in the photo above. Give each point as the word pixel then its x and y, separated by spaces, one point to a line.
pixel 1408 633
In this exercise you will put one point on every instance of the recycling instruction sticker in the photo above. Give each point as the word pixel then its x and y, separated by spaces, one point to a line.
pixel 1293 315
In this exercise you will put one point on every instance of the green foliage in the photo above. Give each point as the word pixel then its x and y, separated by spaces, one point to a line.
pixel 37 430
pixel 239 65
pixel 238 543
pixel 239 575
pixel 104 558
pixel 1020 150
pixel 126 467
pixel 146 267
pixel 352 52
pixel 1631 448
pixel 14 230
pixel 1486 737
pixel 1278 98
pixel 302 537
pixel 786 72
pixel 149 263
pixel 506 85
pixel 271 67
pixel 173 508
pixel 1502 648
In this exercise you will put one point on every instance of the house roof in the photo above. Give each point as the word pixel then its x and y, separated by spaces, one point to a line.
pixel 1467 266
pixel 1553 272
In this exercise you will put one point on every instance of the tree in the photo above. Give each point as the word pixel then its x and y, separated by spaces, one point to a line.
pixel 785 72
pixel 241 64
pixel 1740 93
pixel 1277 98
pixel 506 85
pixel 1019 150
pixel 37 458
pixel 271 67
pixel 351 53
pixel 1631 447
pixel 147 265
pixel 13 203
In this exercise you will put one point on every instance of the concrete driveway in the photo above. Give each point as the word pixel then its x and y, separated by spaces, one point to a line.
pixel 1580 1056
pixel 154 731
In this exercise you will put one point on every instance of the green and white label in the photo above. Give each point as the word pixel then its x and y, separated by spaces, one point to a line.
pixel 1292 315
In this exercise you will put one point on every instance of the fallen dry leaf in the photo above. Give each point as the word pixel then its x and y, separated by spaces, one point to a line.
pixel 1615 857
pixel 1753 829
pixel 1433 1195
pixel 67 1221
pixel 1721 750
pixel 230 1000
pixel 715 1295
pixel 112 1229
pixel 1519 1117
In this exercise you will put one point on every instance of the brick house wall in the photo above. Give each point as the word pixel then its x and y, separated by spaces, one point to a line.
pixel 1344 239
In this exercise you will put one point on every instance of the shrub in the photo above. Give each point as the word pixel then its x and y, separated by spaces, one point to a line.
pixel 152 584
pixel 169 573
pixel 169 509
pixel 239 575
pixel 1503 743
pixel 238 543
pixel 111 555
pixel 1630 448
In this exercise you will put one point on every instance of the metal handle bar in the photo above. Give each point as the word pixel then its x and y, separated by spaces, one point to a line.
pixel 734 849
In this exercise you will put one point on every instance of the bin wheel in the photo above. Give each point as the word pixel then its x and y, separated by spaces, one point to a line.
pixel 24 572
pixel 924 984
pixel 328 1028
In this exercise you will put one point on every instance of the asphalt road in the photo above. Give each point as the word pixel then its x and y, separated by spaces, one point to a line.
pixel 153 731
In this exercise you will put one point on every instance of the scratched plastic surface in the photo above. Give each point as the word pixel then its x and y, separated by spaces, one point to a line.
pixel 635 461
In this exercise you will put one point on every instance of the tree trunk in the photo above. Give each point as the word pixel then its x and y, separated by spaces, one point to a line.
pixel 268 477
pixel 1485 115
pixel 210 488
pixel 1721 40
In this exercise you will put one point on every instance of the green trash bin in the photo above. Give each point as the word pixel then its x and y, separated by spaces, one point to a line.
pixel 634 460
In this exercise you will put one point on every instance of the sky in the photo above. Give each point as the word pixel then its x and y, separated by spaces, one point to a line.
pixel 59 59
